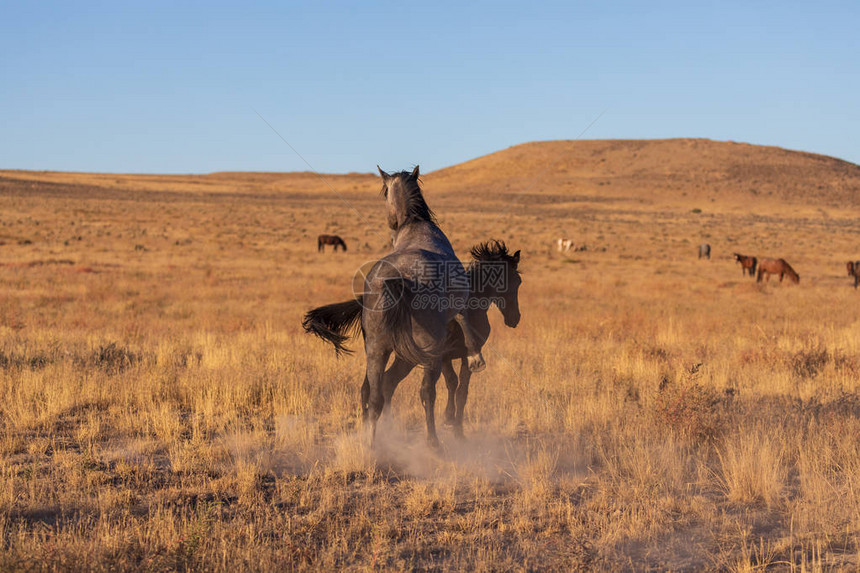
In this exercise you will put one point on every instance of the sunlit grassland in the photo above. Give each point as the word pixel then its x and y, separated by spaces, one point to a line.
pixel 160 407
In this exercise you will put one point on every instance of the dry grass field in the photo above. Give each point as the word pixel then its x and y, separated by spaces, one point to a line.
pixel 161 408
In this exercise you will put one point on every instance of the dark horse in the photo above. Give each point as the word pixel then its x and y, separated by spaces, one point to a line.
pixel 409 297
pixel 748 264
pixel 779 267
pixel 705 251
pixel 854 271
pixel 324 240
pixel 493 279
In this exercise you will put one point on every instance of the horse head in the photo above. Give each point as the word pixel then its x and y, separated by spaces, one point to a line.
pixel 404 199
pixel 501 281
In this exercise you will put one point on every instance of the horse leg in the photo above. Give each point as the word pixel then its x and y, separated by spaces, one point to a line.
pixel 365 399
pixel 428 399
pixel 375 400
pixel 856 280
pixel 451 382
pixel 395 374
pixel 473 346
pixel 462 396
pixel 758 278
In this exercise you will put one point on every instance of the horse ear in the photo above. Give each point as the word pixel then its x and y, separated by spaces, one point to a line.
pixel 517 256
pixel 415 173
pixel 383 174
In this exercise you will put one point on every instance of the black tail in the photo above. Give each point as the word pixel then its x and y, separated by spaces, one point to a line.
pixel 335 323
pixel 397 319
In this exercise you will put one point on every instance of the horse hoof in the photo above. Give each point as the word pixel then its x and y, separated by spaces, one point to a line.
pixel 476 362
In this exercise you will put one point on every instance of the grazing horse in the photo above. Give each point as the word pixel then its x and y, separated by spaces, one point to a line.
pixel 323 240
pixel 705 251
pixel 779 267
pixel 854 271
pixel 563 245
pixel 409 297
pixel 748 264
pixel 493 279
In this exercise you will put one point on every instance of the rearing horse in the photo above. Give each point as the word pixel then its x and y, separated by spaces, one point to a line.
pixel 493 279
pixel 409 297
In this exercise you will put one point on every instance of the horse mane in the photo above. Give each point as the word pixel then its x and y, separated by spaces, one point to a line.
pixel 493 251
pixel 417 209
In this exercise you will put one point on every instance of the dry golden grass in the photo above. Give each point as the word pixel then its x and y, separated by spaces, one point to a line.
pixel 161 409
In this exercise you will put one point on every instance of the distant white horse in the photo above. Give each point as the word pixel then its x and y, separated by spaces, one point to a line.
pixel 564 245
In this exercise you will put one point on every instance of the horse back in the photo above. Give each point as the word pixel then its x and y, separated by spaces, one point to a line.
pixel 424 236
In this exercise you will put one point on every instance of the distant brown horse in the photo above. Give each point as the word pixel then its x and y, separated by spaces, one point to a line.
pixel 854 271
pixel 747 264
pixel 323 240
pixel 776 267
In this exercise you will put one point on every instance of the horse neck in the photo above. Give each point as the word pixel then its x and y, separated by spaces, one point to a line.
pixel 477 314
pixel 473 273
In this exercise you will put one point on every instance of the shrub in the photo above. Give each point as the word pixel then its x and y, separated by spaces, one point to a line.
pixel 693 412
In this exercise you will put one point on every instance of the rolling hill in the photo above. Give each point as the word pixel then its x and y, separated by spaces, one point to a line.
pixel 660 169
pixel 657 171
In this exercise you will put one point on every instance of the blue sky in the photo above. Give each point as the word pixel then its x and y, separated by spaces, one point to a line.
pixel 168 87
